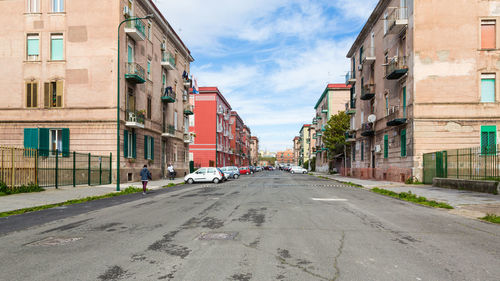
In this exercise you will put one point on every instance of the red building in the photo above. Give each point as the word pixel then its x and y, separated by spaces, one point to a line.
pixel 212 113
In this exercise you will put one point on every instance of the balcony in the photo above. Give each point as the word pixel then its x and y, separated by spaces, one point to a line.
pixel 169 131
pixel 186 80
pixel 188 138
pixel 350 78
pixel 367 130
pixel 167 60
pixel 135 73
pixel 397 20
pixel 220 148
pixel 350 108
pixel 219 128
pixel 368 56
pixel 135 120
pixel 396 68
pixel 136 30
pixel 189 109
pixel 168 95
pixel 350 136
pixel 324 110
pixel 368 92
pixel 319 134
pixel 396 117
pixel 315 121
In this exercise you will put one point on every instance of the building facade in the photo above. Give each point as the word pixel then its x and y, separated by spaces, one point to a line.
pixel 285 157
pixel 416 91
pixel 62 82
pixel 305 144
pixel 254 150
pixel 331 102
pixel 296 150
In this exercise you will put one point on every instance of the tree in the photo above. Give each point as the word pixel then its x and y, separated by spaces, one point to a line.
pixel 334 135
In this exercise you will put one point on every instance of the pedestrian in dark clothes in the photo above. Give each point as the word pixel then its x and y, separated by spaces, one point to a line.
pixel 145 176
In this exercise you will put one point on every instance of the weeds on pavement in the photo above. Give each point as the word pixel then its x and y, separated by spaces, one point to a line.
pixel 410 197
pixel 5 190
pixel 491 218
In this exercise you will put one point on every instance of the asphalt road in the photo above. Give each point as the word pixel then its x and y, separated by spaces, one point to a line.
pixel 268 226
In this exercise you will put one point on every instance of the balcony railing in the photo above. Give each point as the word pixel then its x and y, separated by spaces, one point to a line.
pixel 135 119
pixel 396 68
pixel 169 131
pixel 136 29
pixel 397 20
pixel 368 92
pixel 168 95
pixel 367 129
pixel 368 55
pixel 350 136
pixel 350 78
pixel 168 60
pixel 349 110
pixel 396 116
pixel 189 109
pixel 135 73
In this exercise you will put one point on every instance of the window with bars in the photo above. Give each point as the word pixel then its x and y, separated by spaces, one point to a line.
pixel 31 94
pixel 488 140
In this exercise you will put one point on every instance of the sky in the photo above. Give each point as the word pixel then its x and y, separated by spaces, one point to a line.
pixel 271 59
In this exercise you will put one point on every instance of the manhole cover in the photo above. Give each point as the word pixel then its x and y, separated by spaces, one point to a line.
pixel 218 236
pixel 53 241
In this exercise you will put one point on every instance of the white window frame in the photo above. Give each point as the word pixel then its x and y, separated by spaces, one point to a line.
pixel 149 147
pixel 55 138
pixel 175 120
pixel 130 144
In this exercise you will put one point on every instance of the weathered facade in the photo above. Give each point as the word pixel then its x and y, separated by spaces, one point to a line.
pixel 254 150
pixel 296 150
pixel 62 78
pixel 305 144
pixel 423 76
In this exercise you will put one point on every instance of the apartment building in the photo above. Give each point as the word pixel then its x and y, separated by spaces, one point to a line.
pixel 296 150
pixel 236 143
pixel 246 145
pixel 61 81
pixel 305 144
pixel 285 157
pixel 423 76
pixel 254 150
pixel 331 102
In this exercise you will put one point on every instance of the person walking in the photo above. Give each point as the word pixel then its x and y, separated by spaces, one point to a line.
pixel 171 171
pixel 145 176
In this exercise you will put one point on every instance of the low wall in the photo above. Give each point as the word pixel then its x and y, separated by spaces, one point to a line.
pixel 472 185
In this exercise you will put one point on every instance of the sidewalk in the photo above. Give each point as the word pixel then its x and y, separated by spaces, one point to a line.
pixel 466 203
pixel 65 193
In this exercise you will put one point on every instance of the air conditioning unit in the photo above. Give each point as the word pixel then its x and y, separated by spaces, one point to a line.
pixel 378 149
pixel 126 11
pixel 163 46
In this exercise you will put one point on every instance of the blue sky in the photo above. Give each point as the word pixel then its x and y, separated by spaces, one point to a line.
pixel 271 59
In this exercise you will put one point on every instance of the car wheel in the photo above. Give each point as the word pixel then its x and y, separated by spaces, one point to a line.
pixel 216 180
pixel 190 181
pixel 304 172
pixel 292 172
pixel 236 177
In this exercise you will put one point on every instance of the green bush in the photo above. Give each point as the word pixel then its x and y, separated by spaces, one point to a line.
pixel 5 190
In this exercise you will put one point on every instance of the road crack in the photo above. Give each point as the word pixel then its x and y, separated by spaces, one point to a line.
pixel 336 260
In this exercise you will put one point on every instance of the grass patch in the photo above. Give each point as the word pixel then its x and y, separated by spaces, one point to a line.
pixel 311 174
pixel 128 190
pixel 323 177
pixel 352 184
pixel 5 190
pixel 491 218
pixel 410 197
pixel 172 184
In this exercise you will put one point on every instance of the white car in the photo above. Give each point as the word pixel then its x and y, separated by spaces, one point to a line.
pixel 208 174
pixel 298 170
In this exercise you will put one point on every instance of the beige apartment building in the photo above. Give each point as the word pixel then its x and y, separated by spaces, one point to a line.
pixel 423 76
pixel 296 150
pixel 305 144
pixel 254 150
pixel 331 102
pixel 59 80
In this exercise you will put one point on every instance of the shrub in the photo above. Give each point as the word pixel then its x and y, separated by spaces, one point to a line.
pixel 32 187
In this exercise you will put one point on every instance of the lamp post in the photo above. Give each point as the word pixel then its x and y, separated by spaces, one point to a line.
pixel 118 102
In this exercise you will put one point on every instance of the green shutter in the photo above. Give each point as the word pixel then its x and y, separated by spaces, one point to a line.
pixel 31 138
pixel 488 140
pixel 146 156
pixel 65 142
pixel 134 145
pixel 404 102
pixel 386 146
pixel 43 141
pixel 362 151
pixel 152 148
pixel 33 47
pixel 403 143
pixel 56 49
pixel 125 143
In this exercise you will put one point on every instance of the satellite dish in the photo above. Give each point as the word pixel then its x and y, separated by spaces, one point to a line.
pixel 371 118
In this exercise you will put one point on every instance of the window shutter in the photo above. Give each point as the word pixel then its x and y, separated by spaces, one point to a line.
pixel 488 34
pixel 34 94
pixel 65 142
pixel 125 143
pixel 403 143
pixel 31 138
pixel 43 141
pixel 152 156
pixel 386 146
pixel 488 140
pixel 59 93
pixel 28 94
pixel 134 145
pixel 492 143
pixel 146 147
pixel 46 89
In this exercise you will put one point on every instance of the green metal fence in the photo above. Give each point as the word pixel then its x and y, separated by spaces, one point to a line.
pixel 72 168
pixel 475 163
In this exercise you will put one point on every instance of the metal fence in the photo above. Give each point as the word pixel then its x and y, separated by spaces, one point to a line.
pixel 475 163
pixel 47 168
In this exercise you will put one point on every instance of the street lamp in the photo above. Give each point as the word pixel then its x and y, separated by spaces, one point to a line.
pixel 118 102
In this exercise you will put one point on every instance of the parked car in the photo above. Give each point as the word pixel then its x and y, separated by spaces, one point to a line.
pixel 252 169
pixel 205 174
pixel 244 171
pixel 258 169
pixel 224 177
pixel 231 172
pixel 298 170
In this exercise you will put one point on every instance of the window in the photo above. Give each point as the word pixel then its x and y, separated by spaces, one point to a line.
pixel 488 140
pixel 362 151
pixel 488 34
pixel 175 120
pixel 130 100
pixel 56 47
pixel 31 94
pixel 386 24
pixel 164 80
pixel 403 143
pixel 129 144
pixel 488 88
pixel 55 137
pixel 149 144
pixel 150 26
pixel 361 56
pixel 33 6
pixel 353 67
pixel 57 6
pixel 33 47
pixel 387 104
pixel 149 69
pixel 386 146
pixel 404 102
pixel 53 94
pixel 47 140
pixel 186 124
pixel 130 53
pixel 148 108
